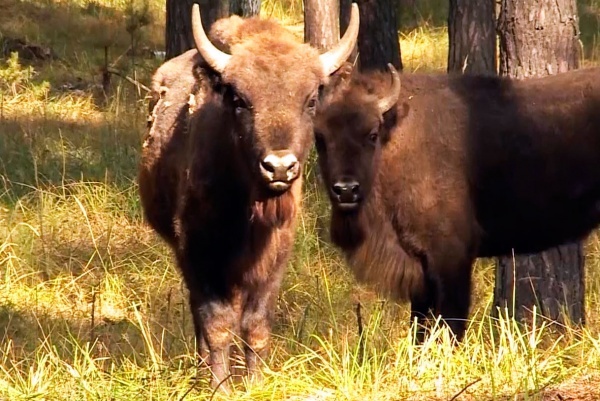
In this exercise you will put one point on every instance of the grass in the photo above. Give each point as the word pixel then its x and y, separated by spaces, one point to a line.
pixel 92 307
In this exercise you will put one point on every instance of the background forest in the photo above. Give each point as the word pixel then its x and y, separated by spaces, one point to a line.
pixel 91 305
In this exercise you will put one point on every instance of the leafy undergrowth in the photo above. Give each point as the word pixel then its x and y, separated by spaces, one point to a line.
pixel 93 308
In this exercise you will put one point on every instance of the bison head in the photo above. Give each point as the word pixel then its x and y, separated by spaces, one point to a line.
pixel 349 132
pixel 270 83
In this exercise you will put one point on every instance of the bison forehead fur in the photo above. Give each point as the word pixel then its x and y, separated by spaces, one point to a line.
pixel 276 78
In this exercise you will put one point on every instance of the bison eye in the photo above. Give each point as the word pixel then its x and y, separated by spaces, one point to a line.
pixel 239 104
pixel 373 135
pixel 311 104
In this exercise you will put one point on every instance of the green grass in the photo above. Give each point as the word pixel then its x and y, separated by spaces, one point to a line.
pixel 93 308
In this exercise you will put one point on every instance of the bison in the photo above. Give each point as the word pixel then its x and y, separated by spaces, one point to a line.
pixel 220 176
pixel 423 180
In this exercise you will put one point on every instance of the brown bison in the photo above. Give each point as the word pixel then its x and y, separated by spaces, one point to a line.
pixel 220 172
pixel 424 179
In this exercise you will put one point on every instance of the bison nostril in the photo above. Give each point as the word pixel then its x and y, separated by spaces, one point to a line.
pixel 293 165
pixel 280 166
pixel 341 188
pixel 337 188
pixel 268 166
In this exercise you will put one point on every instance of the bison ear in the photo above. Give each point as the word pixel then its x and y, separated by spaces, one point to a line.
pixel 392 118
pixel 337 82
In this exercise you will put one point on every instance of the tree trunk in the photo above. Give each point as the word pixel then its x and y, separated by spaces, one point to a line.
pixel 345 11
pixel 472 37
pixel 540 38
pixel 178 30
pixel 245 8
pixel 378 42
pixel 322 23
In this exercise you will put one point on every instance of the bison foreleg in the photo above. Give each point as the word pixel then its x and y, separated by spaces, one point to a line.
pixel 256 323
pixel 215 321
pixel 456 299
pixel 422 307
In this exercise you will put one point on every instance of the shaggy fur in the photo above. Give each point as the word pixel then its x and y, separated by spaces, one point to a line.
pixel 462 167
pixel 200 183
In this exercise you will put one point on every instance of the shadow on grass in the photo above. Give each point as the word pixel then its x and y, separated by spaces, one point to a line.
pixel 78 32
pixel 114 334
pixel 44 153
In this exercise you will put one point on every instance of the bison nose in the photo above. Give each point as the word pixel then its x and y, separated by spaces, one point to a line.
pixel 346 191
pixel 280 168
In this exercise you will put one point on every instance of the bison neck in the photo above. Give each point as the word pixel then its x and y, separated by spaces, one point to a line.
pixel 347 229
pixel 225 233
pixel 374 253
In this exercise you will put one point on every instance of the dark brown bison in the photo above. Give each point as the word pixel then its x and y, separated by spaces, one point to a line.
pixel 424 179
pixel 220 173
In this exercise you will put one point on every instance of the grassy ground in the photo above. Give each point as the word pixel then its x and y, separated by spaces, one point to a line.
pixel 92 307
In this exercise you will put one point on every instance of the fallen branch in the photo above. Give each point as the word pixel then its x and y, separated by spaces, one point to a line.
pixel 133 81
pixel 465 389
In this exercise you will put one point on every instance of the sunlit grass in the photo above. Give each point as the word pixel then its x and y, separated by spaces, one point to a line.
pixel 425 49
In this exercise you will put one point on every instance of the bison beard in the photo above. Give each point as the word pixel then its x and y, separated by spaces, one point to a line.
pixel 347 230
pixel 275 212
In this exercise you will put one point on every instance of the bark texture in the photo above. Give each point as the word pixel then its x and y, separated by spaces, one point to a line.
pixel 178 30
pixel 552 281
pixel 245 8
pixel 472 37
pixel 378 42
pixel 540 38
pixel 322 23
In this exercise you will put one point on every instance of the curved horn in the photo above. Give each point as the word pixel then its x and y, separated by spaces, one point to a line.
pixel 390 100
pixel 214 57
pixel 334 58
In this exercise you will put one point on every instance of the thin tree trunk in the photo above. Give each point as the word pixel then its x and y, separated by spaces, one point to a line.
pixel 472 37
pixel 378 42
pixel 539 38
pixel 322 23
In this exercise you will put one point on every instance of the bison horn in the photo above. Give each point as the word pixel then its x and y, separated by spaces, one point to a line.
pixel 334 58
pixel 389 101
pixel 217 59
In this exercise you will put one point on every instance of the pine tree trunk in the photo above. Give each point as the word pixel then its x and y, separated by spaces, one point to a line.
pixel 378 42
pixel 178 30
pixel 245 8
pixel 322 23
pixel 472 37
pixel 539 38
